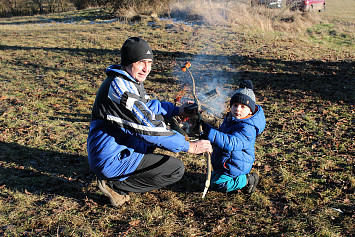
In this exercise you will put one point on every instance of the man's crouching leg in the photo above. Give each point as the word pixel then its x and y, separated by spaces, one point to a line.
pixel 154 171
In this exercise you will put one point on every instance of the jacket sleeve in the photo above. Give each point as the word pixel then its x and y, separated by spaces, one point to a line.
pixel 163 108
pixel 238 140
pixel 174 143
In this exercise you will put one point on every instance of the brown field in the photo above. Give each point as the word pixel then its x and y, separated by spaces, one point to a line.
pixel 302 66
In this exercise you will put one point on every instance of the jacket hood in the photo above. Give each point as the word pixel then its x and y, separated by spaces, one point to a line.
pixel 117 69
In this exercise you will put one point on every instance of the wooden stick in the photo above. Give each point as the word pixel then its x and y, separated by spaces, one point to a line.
pixel 207 154
pixel 208 176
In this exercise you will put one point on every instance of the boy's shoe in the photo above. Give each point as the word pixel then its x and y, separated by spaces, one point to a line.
pixel 253 180
pixel 115 198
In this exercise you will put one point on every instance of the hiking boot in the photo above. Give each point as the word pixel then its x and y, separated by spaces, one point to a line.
pixel 115 198
pixel 252 181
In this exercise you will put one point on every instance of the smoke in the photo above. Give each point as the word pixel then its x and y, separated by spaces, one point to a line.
pixel 210 70
pixel 213 82
pixel 205 11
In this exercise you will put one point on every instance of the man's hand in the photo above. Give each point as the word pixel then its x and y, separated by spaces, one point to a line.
pixel 200 146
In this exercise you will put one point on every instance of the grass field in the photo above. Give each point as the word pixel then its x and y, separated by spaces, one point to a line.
pixel 341 9
pixel 52 66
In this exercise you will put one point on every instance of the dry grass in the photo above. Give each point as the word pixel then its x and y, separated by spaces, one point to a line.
pixel 240 13
pixel 51 70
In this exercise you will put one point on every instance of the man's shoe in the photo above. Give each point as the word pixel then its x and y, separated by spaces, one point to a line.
pixel 253 180
pixel 115 198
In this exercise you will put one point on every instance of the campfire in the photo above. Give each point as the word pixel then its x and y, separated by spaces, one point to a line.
pixel 210 115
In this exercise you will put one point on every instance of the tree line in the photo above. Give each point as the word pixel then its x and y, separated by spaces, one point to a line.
pixel 10 8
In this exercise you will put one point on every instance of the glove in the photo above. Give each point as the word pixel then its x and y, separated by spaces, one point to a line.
pixel 191 108
pixel 188 109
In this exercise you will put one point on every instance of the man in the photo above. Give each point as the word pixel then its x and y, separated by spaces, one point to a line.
pixel 126 127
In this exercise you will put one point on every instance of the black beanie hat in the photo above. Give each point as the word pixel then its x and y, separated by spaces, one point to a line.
pixel 244 95
pixel 135 49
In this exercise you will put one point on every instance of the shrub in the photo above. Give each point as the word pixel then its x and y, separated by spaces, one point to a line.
pixel 145 7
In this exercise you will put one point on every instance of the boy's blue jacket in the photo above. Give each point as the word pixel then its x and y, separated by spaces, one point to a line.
pixel 125 126
pixel 233 143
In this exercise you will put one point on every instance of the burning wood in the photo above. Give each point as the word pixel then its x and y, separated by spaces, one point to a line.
pixel 212 93
pixel 213 121
pixel 206 98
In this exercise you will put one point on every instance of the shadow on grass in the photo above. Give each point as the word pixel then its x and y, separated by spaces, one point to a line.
pixel 32 170
pixel 73 17
pixel 84 51
pixel 71 117
pixel 333 81
pixel 190 182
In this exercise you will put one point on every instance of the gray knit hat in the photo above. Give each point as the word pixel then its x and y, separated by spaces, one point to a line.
pixel 135 49
pixel 245 95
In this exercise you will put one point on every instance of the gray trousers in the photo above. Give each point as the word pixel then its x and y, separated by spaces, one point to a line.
pixel 153 172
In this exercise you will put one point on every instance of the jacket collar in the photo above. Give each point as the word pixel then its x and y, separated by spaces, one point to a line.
pixel 119 69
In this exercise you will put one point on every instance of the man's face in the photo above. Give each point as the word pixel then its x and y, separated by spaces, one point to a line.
pixel 240 111
pixel 140 70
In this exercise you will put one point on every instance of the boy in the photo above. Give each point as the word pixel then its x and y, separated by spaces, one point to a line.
pixel 233 143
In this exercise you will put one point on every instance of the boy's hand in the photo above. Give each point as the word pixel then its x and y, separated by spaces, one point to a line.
pixel 200 146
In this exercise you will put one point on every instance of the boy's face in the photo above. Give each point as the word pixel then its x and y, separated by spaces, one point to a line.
pixel 140 70
pixel 240 111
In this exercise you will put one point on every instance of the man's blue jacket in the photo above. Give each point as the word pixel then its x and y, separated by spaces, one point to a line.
pixel 125 126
